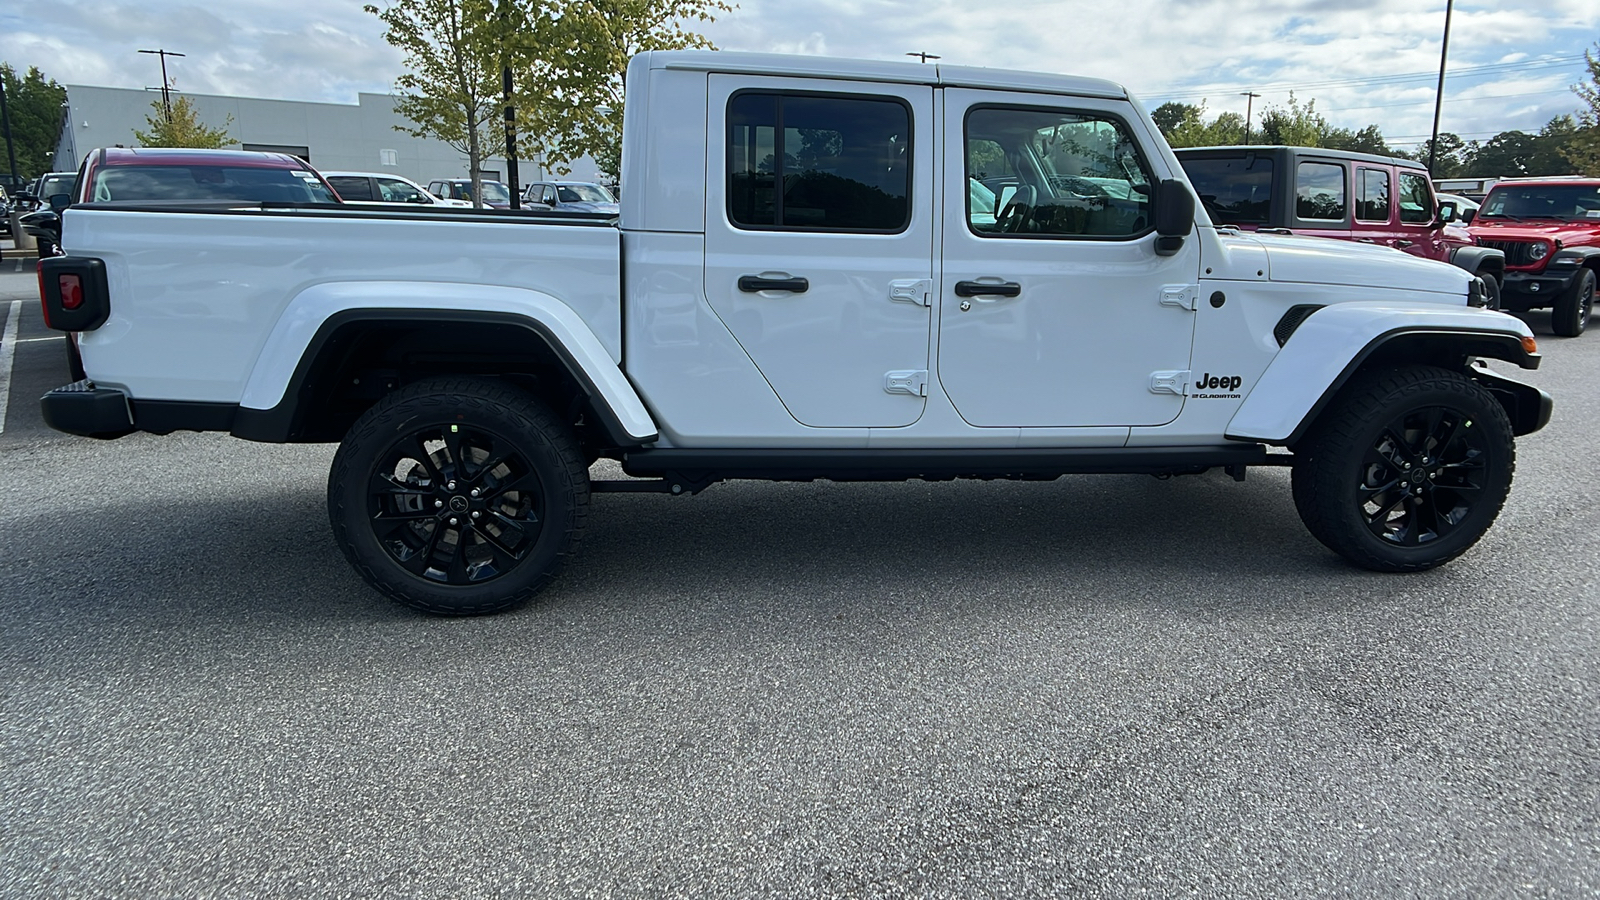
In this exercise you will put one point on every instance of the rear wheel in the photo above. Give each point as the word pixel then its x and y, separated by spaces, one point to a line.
pixel 1570 315
pixel 458 496
pixel 1406 471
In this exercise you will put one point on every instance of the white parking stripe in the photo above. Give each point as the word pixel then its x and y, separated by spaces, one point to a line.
pixel 8 343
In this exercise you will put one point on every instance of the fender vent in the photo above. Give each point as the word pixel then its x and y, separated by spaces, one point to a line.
pixel 1291 320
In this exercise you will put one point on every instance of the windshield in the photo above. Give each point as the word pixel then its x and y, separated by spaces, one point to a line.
pixel 493 192
pixel 1234 190
pixel 55 184
pixel 1543 201
pixel 584 193
pixel 209 183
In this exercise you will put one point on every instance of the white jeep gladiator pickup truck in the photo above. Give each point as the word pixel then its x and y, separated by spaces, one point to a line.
pixel 822 269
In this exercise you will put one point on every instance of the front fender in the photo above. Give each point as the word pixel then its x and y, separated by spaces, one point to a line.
pixel 287 350
pixel 1480 259
pixel 1333 343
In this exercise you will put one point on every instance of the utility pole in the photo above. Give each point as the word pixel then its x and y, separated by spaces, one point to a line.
pixel 11 150
pixel 1438 95
pixel 1249 107
pixel 166 96
pixel 511 111
pixel 925 56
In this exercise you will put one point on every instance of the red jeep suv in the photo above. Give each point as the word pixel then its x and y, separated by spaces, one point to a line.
pixel 1550 232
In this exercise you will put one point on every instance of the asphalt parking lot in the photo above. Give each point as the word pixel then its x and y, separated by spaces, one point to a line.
pixel 1096 687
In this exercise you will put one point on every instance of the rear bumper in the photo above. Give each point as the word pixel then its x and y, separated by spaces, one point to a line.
pixel 81 408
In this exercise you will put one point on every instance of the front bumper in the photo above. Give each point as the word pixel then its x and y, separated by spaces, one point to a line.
pixel 81 408
pixel 1537 289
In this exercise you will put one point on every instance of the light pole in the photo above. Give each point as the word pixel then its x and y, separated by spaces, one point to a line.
pixel 1438 95
pixel 166 98
pixel 926 56
pixel 1249 107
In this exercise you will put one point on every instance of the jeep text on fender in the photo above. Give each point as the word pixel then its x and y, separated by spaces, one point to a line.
pixel 822 269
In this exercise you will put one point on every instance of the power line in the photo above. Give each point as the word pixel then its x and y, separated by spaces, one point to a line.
pixel 1451 100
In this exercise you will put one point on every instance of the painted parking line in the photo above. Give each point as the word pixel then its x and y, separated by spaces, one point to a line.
pixel 8 353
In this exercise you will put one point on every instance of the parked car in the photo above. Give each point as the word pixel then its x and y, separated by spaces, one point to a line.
pixel 384 188
pixel 495 193
pixel 1549 230
pixel 1337 194
pixel 570 196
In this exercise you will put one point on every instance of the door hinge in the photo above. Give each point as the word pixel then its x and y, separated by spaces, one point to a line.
pixel 1169 382
pixel 1183 296
pixel 912 290
pixel 907 381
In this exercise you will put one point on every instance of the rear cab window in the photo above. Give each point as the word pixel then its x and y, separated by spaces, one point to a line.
pixel 1234 190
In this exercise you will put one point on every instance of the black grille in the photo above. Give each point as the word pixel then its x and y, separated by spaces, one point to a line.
pixel 1291 320
pixel 1518 253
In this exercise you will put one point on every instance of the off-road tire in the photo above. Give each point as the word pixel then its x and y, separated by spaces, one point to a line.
pixel 1491 290
pixel 542 466
pixel 1570 314
pixel 1366 440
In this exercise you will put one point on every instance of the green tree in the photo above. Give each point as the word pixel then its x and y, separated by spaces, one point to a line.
pixel 1192 130
pixel 34 105
pixel 1168 116
pixel 181 127
pixel 1582 148
pixel 579 58
pixel 454 50
pixel 1295 125
pixel 1507 154
pixel 1450 160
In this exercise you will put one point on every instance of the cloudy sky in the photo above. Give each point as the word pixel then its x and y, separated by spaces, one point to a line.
pixel 1512 62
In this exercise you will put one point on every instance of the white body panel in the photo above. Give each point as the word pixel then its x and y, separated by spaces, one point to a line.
pixel 1326 342
pixel 196 296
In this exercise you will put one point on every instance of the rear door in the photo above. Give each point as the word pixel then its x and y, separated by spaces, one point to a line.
pixel 1373 212
pixel 819 240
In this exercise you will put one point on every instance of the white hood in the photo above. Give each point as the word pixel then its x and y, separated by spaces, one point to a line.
pixel 1291 258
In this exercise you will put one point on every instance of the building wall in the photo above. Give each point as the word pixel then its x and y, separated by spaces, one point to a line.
pixel 339 136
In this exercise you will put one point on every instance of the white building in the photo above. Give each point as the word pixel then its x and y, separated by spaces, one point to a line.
pixel 331 136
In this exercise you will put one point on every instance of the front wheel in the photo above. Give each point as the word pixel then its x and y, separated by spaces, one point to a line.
pixel 458 496
pixel 1406 470
pixel 1570 314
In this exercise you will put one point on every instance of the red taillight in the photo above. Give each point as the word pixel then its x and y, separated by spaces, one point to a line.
pixel 71 291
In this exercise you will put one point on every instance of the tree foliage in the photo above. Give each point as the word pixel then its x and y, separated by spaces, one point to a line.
pixel 454 50
pixel 1583 147
pixel 580 58
pixel 34 105
pixel 181 127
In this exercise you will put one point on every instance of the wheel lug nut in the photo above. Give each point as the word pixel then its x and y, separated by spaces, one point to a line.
pixel 438 503
pixel 476 514
pixel 451 486
pixel 474 492
pixel 452 520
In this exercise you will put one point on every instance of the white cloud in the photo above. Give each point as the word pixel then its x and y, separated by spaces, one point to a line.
pixel 1325 50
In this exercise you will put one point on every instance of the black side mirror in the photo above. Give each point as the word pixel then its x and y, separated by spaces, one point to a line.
pixel 24 197
pixel 58 202
pixel 1174 213
pixel 1447 212
pixel 1466 217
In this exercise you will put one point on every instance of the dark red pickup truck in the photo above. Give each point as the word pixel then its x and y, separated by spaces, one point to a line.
pixel 1549 230
pixel 1336 194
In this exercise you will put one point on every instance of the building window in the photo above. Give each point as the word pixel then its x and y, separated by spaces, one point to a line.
pixel 388 157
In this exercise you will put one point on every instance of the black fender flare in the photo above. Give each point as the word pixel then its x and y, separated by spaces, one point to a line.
pixel 1480 259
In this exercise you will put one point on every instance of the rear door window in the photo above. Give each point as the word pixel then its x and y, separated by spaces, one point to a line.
pixel 351 187
pixel 1319 192
pixel 1372 204
pixel 819 163
pixel 396 191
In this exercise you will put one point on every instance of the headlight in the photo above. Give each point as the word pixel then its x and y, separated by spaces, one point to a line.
pixel 1538 251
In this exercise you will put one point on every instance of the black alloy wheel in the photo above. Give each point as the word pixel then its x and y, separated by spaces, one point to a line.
pixel 1406 470
pixel 456 505
pixel 1421 475
pixel 458 496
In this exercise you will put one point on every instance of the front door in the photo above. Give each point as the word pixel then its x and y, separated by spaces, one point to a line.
pixel 819 241
pixel 1055 308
